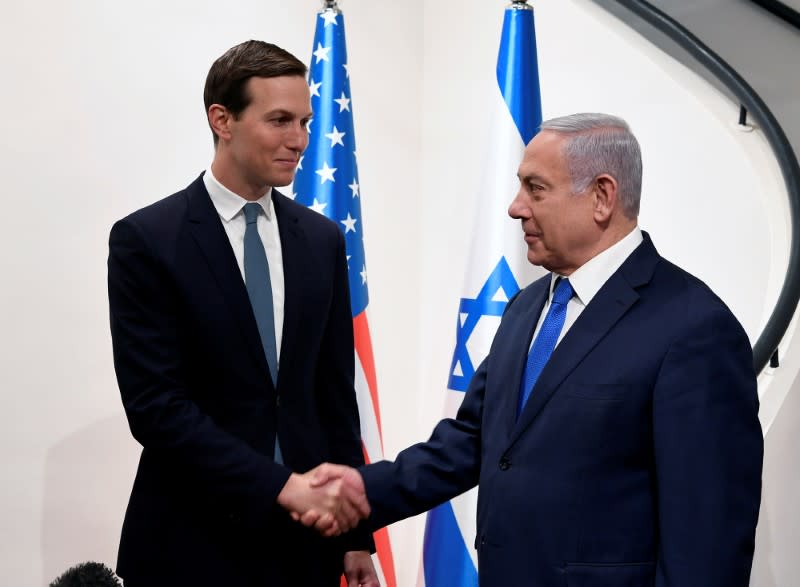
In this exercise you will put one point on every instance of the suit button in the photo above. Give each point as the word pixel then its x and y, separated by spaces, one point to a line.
pixel 505 464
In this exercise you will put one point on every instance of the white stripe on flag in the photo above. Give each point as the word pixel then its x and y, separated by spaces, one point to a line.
pixel 370 435
pixel 497 234
pixel 378 569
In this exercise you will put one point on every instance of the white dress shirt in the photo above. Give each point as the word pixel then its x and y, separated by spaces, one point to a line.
pixel 587 279
pixel 230 208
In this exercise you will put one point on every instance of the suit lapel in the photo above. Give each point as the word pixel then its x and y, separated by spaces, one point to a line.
pixel 207 230
pixel 295 276
pixel 608 306
pixel 519 340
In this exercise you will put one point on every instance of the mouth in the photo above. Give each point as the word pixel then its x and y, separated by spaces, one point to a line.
pixel 531 237
pixel 287 162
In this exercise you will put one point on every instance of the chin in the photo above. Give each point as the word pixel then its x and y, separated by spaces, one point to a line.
pixel 535 259
pixel 279 182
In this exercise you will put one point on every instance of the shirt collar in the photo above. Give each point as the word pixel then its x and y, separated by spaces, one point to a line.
pixel 587 279
pixel 229 204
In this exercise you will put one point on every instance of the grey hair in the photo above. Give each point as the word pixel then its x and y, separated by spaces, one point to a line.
pixel 602 143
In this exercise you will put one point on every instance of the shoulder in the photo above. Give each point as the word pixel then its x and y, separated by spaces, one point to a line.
pixel 160 221
pixel 684 287
pixel 689 303
pixel 162 212
pixel 666 288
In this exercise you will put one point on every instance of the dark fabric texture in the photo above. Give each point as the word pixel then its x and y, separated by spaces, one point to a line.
pixel 635 462
pixel 199 397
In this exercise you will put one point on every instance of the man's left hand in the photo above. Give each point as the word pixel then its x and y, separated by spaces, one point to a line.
pixel 359 570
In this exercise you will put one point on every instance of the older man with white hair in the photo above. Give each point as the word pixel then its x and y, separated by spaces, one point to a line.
pixel 612 429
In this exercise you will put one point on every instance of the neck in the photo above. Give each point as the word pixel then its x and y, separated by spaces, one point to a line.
pixel 610 236
pixel 228 176
pixel 616 233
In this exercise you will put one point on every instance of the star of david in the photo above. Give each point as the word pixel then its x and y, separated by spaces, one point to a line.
pixel 484 304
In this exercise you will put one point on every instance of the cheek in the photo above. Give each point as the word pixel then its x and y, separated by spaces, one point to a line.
pixel 558 227
pixel 578 224
pixel 547 218
pixel 265 138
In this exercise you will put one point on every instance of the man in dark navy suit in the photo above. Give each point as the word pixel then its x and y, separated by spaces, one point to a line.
pixel 233 347
pixel 613 428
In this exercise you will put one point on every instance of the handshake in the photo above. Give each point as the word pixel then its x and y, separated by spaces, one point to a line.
pixel 330 498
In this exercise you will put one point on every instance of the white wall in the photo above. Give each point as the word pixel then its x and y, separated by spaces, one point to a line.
pixel 103 114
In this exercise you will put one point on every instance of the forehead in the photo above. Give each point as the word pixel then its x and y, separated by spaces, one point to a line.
pixel 544 155
pixel 287 92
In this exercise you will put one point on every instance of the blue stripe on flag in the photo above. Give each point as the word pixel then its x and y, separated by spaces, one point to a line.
pixel 517 71
pixel 446 558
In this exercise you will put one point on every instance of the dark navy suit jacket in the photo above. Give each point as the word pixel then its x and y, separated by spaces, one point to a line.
pixel 198 396
pixel 637 459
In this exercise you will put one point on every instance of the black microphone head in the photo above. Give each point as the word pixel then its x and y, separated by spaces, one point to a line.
pixel 87 575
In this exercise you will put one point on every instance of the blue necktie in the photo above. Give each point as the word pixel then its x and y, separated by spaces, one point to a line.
pixel 545 341
pixel 259 289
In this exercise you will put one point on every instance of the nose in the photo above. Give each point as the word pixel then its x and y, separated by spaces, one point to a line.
pixel 297 138
pixel 517 209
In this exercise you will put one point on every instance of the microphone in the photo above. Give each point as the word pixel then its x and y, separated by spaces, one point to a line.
pixel 87 575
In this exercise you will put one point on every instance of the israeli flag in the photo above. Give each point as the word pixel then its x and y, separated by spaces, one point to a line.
pixel 498 266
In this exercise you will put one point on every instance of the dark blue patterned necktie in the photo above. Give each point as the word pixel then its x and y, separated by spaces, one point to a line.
pixel 545 341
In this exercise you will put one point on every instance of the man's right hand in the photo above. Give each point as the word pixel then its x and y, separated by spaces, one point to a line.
pixel 331 498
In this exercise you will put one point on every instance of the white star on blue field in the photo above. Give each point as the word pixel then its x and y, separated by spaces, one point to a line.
pixel 327 176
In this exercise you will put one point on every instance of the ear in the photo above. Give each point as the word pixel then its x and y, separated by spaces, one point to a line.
pixel 605 198
pixel 220 118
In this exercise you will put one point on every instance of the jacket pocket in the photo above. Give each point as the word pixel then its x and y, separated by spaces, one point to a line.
pixel 611 574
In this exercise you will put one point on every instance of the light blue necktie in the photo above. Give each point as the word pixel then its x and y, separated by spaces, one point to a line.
pixel 545 341
pixel 259 289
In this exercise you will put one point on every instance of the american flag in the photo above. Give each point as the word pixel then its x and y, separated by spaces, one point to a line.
pixel 497 264
pixel 327 181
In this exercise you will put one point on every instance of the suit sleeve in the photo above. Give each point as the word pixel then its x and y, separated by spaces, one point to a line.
pixel 336 390
pixel 429 473
pixel 708 454
pixel 151 374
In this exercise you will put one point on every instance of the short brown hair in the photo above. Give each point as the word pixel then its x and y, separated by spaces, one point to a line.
pixel 227 78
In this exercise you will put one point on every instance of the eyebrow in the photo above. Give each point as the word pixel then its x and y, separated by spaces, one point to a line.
pixel 282 112
pixel 533 177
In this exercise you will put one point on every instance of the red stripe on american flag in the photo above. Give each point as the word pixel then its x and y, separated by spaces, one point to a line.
pixel 363 345
pixel 384 550
pixel 363 348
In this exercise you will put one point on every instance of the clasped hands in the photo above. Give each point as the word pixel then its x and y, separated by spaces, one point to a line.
pixel 330 498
